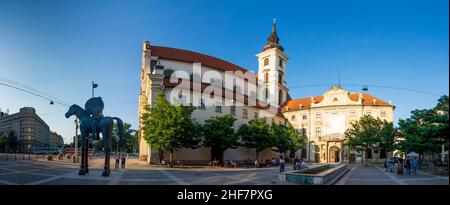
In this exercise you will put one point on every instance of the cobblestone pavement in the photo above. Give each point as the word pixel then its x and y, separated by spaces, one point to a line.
pixel 375 175
pixel 65 172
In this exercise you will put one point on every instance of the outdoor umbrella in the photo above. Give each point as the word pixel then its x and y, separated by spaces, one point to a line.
pixel 412 154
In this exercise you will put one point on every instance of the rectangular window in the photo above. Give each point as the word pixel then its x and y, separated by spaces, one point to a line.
pixel 318 132
pixel 266 77
pixel 281 63
pixel 218 107
pixel 202 104
pixel 383 113
pixel 292 117
pixel 233 110
pixel 305 116
pixel 256 115
pixel 352 113
pixel 318 115
pixel 244 113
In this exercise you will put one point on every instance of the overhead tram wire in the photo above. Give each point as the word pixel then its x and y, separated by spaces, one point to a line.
pixel 31 89
pixel 365 85
pixel 36 94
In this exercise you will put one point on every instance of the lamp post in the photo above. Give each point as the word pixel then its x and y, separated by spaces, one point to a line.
pixel 94 85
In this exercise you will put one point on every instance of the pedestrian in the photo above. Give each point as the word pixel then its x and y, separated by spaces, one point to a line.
pixel 391 165
pixel 414 165
pixel 400 166
pixel 117 158
pixel 123 161
pixel 385 164
pixel 408 166
pixel 295 163
pixel 281 164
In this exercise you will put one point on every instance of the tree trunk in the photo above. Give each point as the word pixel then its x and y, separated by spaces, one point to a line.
pixel 161 156
pixel 171 158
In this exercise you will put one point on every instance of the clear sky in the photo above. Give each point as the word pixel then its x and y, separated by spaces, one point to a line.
pixel 59 47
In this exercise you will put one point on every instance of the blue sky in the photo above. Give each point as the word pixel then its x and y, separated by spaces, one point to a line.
pixel 59 47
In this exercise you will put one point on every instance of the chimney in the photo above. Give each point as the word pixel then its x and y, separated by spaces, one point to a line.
pixel 374 101
pixel 390 102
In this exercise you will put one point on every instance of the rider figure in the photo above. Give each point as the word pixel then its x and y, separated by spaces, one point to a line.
pixel 94 108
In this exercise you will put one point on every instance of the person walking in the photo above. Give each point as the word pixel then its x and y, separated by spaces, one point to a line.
pixel 123 161
pixel 414 165
pixel 117 158
pixel 282 164
pixel 408 166
pixel 385 164
pixel 391 165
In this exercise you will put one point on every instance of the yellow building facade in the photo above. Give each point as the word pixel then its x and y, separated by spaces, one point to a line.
pixel 324 119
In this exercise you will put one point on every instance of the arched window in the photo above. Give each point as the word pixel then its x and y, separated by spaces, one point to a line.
pixel 266 61
pixel 168 73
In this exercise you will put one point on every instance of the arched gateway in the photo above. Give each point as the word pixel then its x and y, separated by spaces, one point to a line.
pixel 334 152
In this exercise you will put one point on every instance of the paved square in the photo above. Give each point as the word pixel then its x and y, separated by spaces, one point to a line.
pixel 65 172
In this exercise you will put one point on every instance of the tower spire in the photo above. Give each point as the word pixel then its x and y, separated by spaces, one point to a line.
pixel 273 41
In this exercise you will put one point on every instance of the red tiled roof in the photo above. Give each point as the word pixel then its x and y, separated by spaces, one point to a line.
pixel 191 56
pixel 306 102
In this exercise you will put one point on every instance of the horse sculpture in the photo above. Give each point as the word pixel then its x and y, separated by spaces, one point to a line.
pixel 93 122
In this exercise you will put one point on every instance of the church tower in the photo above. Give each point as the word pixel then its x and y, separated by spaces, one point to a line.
pixel 272 71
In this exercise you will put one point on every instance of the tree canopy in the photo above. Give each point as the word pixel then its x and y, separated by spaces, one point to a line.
pixel 169 127
pixel 220 135
pixel 256 135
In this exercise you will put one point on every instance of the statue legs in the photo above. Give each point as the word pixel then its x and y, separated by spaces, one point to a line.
pixel 107 135
pixel 86 158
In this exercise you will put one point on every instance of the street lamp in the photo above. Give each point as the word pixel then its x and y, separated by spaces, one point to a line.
pixel 94 85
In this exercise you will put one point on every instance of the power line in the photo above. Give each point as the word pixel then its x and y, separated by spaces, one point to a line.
pixel 36 94
pixel 379 86
pixel 23 86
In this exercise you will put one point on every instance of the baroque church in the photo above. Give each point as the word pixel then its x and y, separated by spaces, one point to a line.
pixel 204 81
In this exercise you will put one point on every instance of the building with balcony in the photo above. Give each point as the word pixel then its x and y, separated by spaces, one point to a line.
pixel 324 119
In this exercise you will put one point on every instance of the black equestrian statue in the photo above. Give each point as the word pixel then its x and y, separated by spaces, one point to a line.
pixel 93 122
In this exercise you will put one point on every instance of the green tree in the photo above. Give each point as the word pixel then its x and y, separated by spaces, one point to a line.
pixel 2 142
pixel 256 135
pixel 12 141
pixel 364 134
pixel 296 141
pixel 169 127
pixel 387 137
pixel 426 130
pixel 129 141
pixel 220 135
pixel 286 138
pixel 280 137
